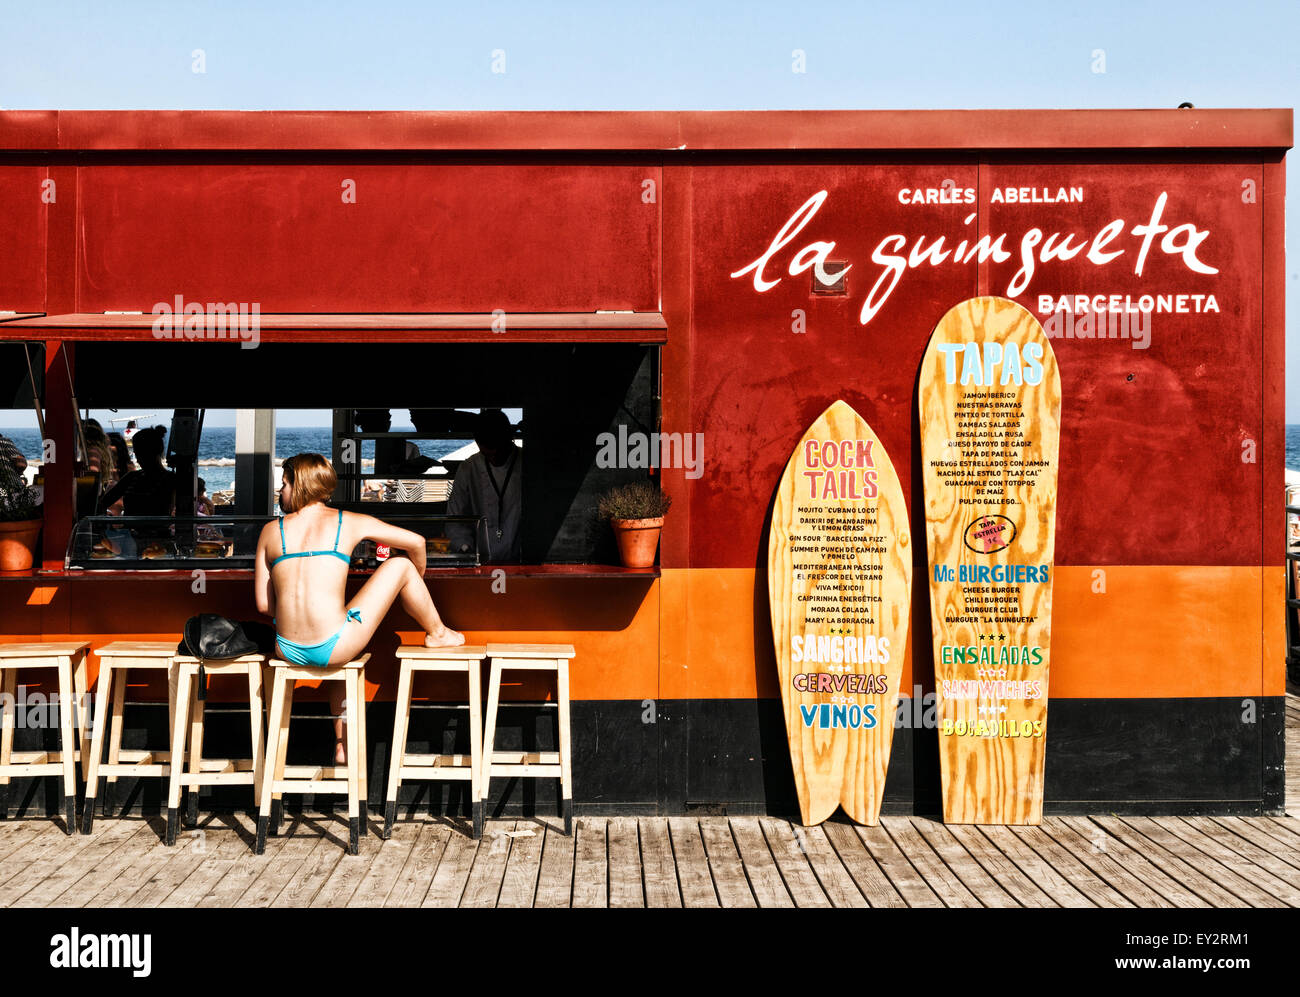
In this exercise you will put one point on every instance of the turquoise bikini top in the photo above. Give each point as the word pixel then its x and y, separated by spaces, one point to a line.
pixel 284 555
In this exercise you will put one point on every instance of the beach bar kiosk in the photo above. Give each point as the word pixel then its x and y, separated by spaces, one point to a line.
pixel 676 297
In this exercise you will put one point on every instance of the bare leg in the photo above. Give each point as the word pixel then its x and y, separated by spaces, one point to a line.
pixel 396 579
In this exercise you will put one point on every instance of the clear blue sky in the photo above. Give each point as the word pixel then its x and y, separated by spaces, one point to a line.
pixel 611 56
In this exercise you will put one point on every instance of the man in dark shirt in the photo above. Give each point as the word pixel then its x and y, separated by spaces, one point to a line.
pixel 150 491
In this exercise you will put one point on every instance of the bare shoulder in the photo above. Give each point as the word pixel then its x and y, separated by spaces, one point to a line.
pixel 358 520
pixel 360 524
pixel 267 530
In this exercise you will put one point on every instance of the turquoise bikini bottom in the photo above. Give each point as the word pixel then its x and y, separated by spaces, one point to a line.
pixel 315 655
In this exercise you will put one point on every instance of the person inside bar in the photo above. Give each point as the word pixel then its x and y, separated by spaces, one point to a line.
pixel 121 454
pixel 151 490
pixel 202 504
pixel 488 485
pixel 301 573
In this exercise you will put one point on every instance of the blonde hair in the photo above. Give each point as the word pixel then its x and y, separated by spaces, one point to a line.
pixel 310 477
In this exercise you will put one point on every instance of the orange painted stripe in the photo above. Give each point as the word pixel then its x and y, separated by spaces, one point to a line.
pixel 1155 631
pixel 701 633
pixel 1273 599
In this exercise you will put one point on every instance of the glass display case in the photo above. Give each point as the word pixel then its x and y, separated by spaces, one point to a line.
pixel 149 543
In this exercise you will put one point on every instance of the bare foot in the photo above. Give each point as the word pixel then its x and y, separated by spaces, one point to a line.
pixel 445 637
pixel 340 752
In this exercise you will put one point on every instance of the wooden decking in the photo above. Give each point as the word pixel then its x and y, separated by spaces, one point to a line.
pixel 664 862
pixel 1098 861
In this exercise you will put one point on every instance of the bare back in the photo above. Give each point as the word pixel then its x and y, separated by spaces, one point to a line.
pixel 309 592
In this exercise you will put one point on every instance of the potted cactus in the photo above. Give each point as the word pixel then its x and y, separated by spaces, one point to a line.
pixel 20 520
pixel 636 512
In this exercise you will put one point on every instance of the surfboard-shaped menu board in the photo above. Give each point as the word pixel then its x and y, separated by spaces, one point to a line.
pixel 990 398
pixel 839 577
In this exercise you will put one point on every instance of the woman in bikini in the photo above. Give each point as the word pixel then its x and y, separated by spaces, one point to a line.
pixel 302 570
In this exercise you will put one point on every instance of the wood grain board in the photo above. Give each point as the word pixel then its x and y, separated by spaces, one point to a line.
pixel 990 404
pixel 696 862
pixel 839 582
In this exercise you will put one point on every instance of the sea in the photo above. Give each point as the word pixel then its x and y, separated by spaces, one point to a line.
pixel 217 449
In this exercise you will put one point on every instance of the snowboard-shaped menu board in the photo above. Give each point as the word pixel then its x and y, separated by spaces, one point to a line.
pixel 990 401
pixel 839 580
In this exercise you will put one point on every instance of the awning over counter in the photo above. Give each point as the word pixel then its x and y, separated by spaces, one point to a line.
pixel 647 328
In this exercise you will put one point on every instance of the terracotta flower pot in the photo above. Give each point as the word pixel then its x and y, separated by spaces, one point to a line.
pixel 638 539
pixel 18 544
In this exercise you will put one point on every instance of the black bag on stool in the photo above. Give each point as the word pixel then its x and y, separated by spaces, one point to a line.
pixel 215 638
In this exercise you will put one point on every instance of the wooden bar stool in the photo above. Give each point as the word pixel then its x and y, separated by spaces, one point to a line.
pixel 116 660
pixel 200 771
pixel 68 658
pixel 278 778
pixel 418 658
pixel 541 764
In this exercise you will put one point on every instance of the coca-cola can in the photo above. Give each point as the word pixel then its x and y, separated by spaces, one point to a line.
pixel 382 552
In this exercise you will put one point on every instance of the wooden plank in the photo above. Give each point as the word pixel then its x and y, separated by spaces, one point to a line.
pixel 589 864
pixel 868 878
pixel 1241 866
pixel 313 873
pixel 241 873
pixel 555 878
pixel 346 876
pixel 1261 868
pixel 1082 889
pixel 625 888
pixel 1081 859
pixel 839 572
pixel 658 869
pixel 300 844
pixel 519 885
pixel 1289 826
pixel 835 879
pixel 541 651
pixel 1006 873
pixel 729 877
pixel 225 846
pixel 761 868
pixel 36 838
pixel 16 833
pixel 383 873
pixel 951 890
pixel 484 883
pixel 692 864
pixel 191 852
pixel 413 883
pixel 955 856
pixel 143 859
pixel 1124 868
pixel 453 871
pixel 1178 859
pixel 902 875
pixel 789 846
pixel 1257 832
pixel 54 877
pixel 42 651
pixel 22 836
pixel 989 395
